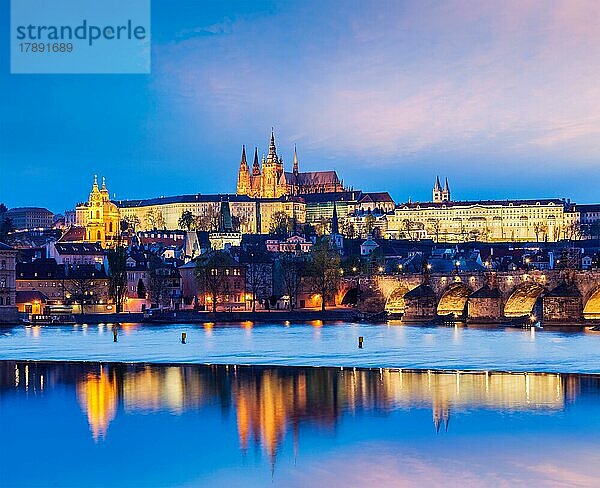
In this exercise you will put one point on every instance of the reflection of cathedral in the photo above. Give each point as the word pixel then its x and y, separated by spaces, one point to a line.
pixel 272 403
pixel 97 394
pixel 270 180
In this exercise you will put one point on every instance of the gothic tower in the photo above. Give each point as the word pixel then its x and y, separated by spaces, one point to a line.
pixel 271 171
pixel 446 192
pixel 255 166
pixel 295 161
pixel 243 184
pixel 437 191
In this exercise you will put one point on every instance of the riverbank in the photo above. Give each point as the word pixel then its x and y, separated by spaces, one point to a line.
pixel 271 316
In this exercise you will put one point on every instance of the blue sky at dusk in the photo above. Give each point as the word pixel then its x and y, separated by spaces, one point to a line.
pixel 501 97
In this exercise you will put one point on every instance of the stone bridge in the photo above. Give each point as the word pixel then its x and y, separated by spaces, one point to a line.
pixel 554 296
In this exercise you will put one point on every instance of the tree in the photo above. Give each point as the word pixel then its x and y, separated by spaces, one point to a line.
pixel 81 289
pixel 369 223
pixel 141 289
pixel 292 268
pixel 6 227
pixel 209 221
pixel 350 231
pixel 324 271
pixel 158 281
pixel 133 222
pixel 211 276
pixel 259 275
pixel 322 226
pixel 539 228
pixel 281 224
pixel 187 221
pixel 435 228
pixel 155 219
pixel 117 275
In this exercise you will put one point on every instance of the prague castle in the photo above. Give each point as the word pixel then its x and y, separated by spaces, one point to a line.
pixel 270 180
pixel 442 219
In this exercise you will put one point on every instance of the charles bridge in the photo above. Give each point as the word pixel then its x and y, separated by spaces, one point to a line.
pixel 552 296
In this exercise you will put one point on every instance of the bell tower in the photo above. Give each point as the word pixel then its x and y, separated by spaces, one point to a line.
pixel 243 184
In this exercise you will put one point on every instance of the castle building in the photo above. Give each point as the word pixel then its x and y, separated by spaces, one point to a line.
pixel 99 216
pixel 444 220
pixel 270 180
pixel 30 218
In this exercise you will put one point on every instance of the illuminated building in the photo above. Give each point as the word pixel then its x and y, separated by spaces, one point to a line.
pixel 270 180
pixel 30 218
pixel 99 216
pixel 483 220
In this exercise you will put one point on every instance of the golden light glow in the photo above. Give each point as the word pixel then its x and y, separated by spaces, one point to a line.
pixel 97 395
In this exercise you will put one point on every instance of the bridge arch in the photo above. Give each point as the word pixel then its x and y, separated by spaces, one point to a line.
pixel 395 302
pixel 522 299
pixel 591 308
pixel 350 296
pixel 454 299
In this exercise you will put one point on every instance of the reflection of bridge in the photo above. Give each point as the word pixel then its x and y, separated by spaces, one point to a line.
pixel 559 296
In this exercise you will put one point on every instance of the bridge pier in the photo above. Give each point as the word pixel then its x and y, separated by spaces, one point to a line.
pixel 485 305
pixel 420 304
pixel 563 304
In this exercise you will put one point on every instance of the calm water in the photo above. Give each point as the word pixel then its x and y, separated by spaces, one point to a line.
pixel 314 344
pixel 92 425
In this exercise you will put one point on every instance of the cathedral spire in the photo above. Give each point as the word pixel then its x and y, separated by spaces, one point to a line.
pixel 335 227
pixel 446 186
pixel 437 186
pixel 295 161
pixel 104 184
pixel 95 185
pixel 272 156
pixel 255 165
pixel 244 154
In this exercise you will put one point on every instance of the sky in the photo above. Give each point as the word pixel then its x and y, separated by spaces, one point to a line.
pixel 501 97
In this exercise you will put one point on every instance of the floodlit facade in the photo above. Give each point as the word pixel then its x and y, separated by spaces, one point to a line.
pixel 543 220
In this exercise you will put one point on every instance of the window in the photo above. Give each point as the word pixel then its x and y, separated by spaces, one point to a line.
pixel 3 265
pixel 8 300
pixel 2 301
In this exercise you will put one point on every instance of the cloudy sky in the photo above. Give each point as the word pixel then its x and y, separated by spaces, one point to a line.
pixel 501 97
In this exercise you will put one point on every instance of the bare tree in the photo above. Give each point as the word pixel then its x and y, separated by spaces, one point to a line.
pixel 259 277
pixel 158 283
pixel 211 276
pixel 292 269
pixel 324 271
pixel 209 221
pixel 281 224
pixel 539 228
pixel 155 219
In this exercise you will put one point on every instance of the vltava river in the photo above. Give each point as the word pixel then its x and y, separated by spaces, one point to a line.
pixel 138 425
pixel 573 350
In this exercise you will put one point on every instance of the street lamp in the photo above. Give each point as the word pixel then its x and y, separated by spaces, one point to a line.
pixel 381 269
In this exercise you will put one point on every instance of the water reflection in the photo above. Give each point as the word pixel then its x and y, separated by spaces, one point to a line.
pixel 270 403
